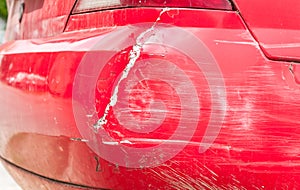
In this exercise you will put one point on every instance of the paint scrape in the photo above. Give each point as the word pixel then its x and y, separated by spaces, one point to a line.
pixel 134 55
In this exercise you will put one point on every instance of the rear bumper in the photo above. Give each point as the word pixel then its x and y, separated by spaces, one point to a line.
pixel 42 130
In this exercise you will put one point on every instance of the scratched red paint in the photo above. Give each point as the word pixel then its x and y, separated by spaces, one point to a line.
pixel 257 146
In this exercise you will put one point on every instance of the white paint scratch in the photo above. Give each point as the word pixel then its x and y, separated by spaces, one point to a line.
pixel 237 42
pixel 134 55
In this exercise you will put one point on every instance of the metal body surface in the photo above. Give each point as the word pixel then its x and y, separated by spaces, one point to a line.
pixel 148 98
pixel 275 25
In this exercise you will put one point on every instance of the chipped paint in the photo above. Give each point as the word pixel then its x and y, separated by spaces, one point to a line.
pixel 79 139
pixel 134 55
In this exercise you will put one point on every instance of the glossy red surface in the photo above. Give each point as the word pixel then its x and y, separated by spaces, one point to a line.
pixel 201 107
pixel 275 25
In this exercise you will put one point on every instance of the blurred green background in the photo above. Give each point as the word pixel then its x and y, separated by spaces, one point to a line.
pixel 3 9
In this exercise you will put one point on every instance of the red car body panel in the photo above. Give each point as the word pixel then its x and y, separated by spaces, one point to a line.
pixel 38 19
pixel 228 118
pixel 275 25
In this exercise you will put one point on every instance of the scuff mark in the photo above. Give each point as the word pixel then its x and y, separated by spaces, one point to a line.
pixel 78 139
pixel 291 69
pixel 111 143
pixel 157 141
pixel 126 142
pixel 281 45
pixel 237 42
pixel 133 57
pixel 98 166
pixel 206 178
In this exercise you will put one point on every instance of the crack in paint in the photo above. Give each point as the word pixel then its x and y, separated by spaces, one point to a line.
pixel 133 57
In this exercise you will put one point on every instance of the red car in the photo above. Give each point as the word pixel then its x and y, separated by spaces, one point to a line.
pixel 151 94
